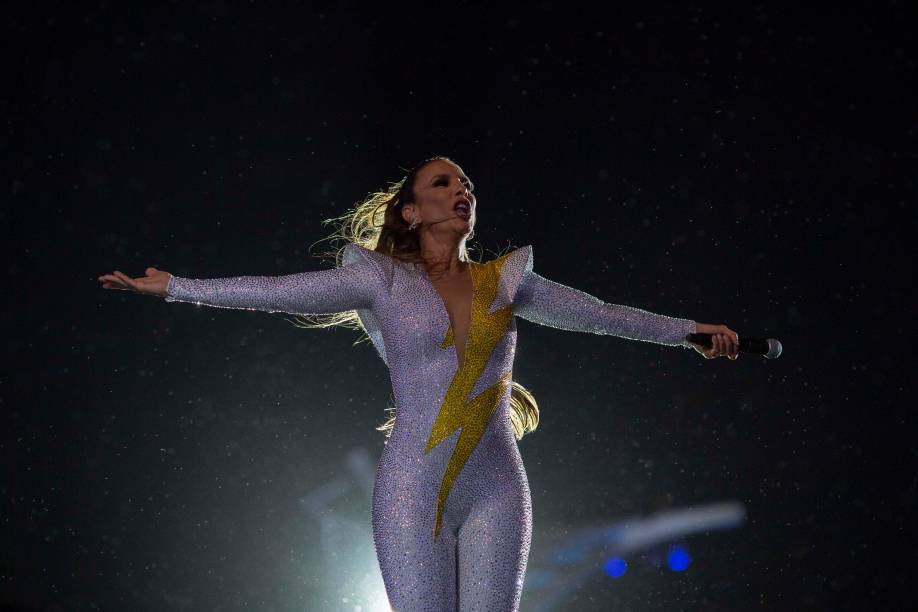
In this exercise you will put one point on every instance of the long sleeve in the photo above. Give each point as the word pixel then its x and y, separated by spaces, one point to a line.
pixel 349 287
pixel 549 303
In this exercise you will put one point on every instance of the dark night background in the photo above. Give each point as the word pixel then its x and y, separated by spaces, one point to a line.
pixel 748 166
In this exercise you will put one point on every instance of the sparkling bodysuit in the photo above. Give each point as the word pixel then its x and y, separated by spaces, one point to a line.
pixel 452 516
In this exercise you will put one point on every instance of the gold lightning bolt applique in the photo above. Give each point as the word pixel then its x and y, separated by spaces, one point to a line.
pixel 485 331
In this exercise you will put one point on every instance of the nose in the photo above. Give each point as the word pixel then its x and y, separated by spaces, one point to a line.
pixel 462 189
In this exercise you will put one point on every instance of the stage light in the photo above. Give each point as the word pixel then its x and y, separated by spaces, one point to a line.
pixel 678 558
pixel 616 567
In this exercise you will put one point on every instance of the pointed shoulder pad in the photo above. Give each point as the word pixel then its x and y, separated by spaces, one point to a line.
pixel 514 266
pixel 354 253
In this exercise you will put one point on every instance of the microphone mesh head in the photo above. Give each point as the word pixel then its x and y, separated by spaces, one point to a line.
pixel 774 349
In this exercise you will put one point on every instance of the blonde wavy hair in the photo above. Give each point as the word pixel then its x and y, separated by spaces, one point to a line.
pixel 376 224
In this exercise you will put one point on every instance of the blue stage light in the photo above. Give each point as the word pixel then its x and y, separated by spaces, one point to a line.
pixel 678 558
pixel 616 567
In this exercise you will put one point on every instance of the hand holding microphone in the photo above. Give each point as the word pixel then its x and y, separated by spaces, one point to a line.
pixel 719 340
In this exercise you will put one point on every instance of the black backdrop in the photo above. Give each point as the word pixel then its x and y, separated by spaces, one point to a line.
pixel 749 166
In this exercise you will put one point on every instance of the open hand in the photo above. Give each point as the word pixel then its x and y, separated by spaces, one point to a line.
pixel 724 342
pixel 154 283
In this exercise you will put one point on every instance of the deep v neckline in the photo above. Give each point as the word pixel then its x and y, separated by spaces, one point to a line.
pixel 445 310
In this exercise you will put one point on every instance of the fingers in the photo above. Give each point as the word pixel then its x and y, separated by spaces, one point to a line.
pixel 110 281
pixel 717 345
pixel 723 345
pixel 724 342
pixel 731 335
pixel 126 280
pixel 732 340
pixel 711 353
pixel 118 280
pixel 727 344
pixel 732 348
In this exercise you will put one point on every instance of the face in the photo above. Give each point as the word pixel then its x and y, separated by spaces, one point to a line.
pixel 441 189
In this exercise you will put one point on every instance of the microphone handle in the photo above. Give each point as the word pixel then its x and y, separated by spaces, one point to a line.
pixel 756 346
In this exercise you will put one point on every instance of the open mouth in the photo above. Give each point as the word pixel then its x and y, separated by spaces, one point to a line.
pixel 463 209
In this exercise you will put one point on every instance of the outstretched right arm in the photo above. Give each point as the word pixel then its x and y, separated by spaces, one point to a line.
pixel 349 287
pixel 326 291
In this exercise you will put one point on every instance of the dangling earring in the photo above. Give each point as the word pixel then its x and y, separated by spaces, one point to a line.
pixel 412 226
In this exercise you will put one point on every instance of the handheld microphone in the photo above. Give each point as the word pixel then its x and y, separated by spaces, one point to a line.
pixel 770 348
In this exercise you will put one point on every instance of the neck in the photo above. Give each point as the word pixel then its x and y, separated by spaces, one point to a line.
pixel 441 256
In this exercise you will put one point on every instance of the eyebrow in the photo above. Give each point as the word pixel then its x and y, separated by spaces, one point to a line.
pixel 446 176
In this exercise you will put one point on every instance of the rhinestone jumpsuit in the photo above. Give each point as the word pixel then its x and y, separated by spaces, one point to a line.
pixel 452 516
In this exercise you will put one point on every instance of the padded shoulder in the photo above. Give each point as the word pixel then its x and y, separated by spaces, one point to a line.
pixel 355 253
pixel 382 264
pixel 513 268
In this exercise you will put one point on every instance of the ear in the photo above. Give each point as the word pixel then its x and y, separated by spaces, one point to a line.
pixel 408 212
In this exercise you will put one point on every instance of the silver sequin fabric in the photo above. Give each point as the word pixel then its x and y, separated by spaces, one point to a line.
pixel 452 514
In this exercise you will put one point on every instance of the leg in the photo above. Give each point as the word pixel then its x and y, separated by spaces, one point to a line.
pixel 493 551
pixel 419 573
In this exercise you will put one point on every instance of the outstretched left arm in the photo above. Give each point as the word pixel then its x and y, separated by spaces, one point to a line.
pixel 549 303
